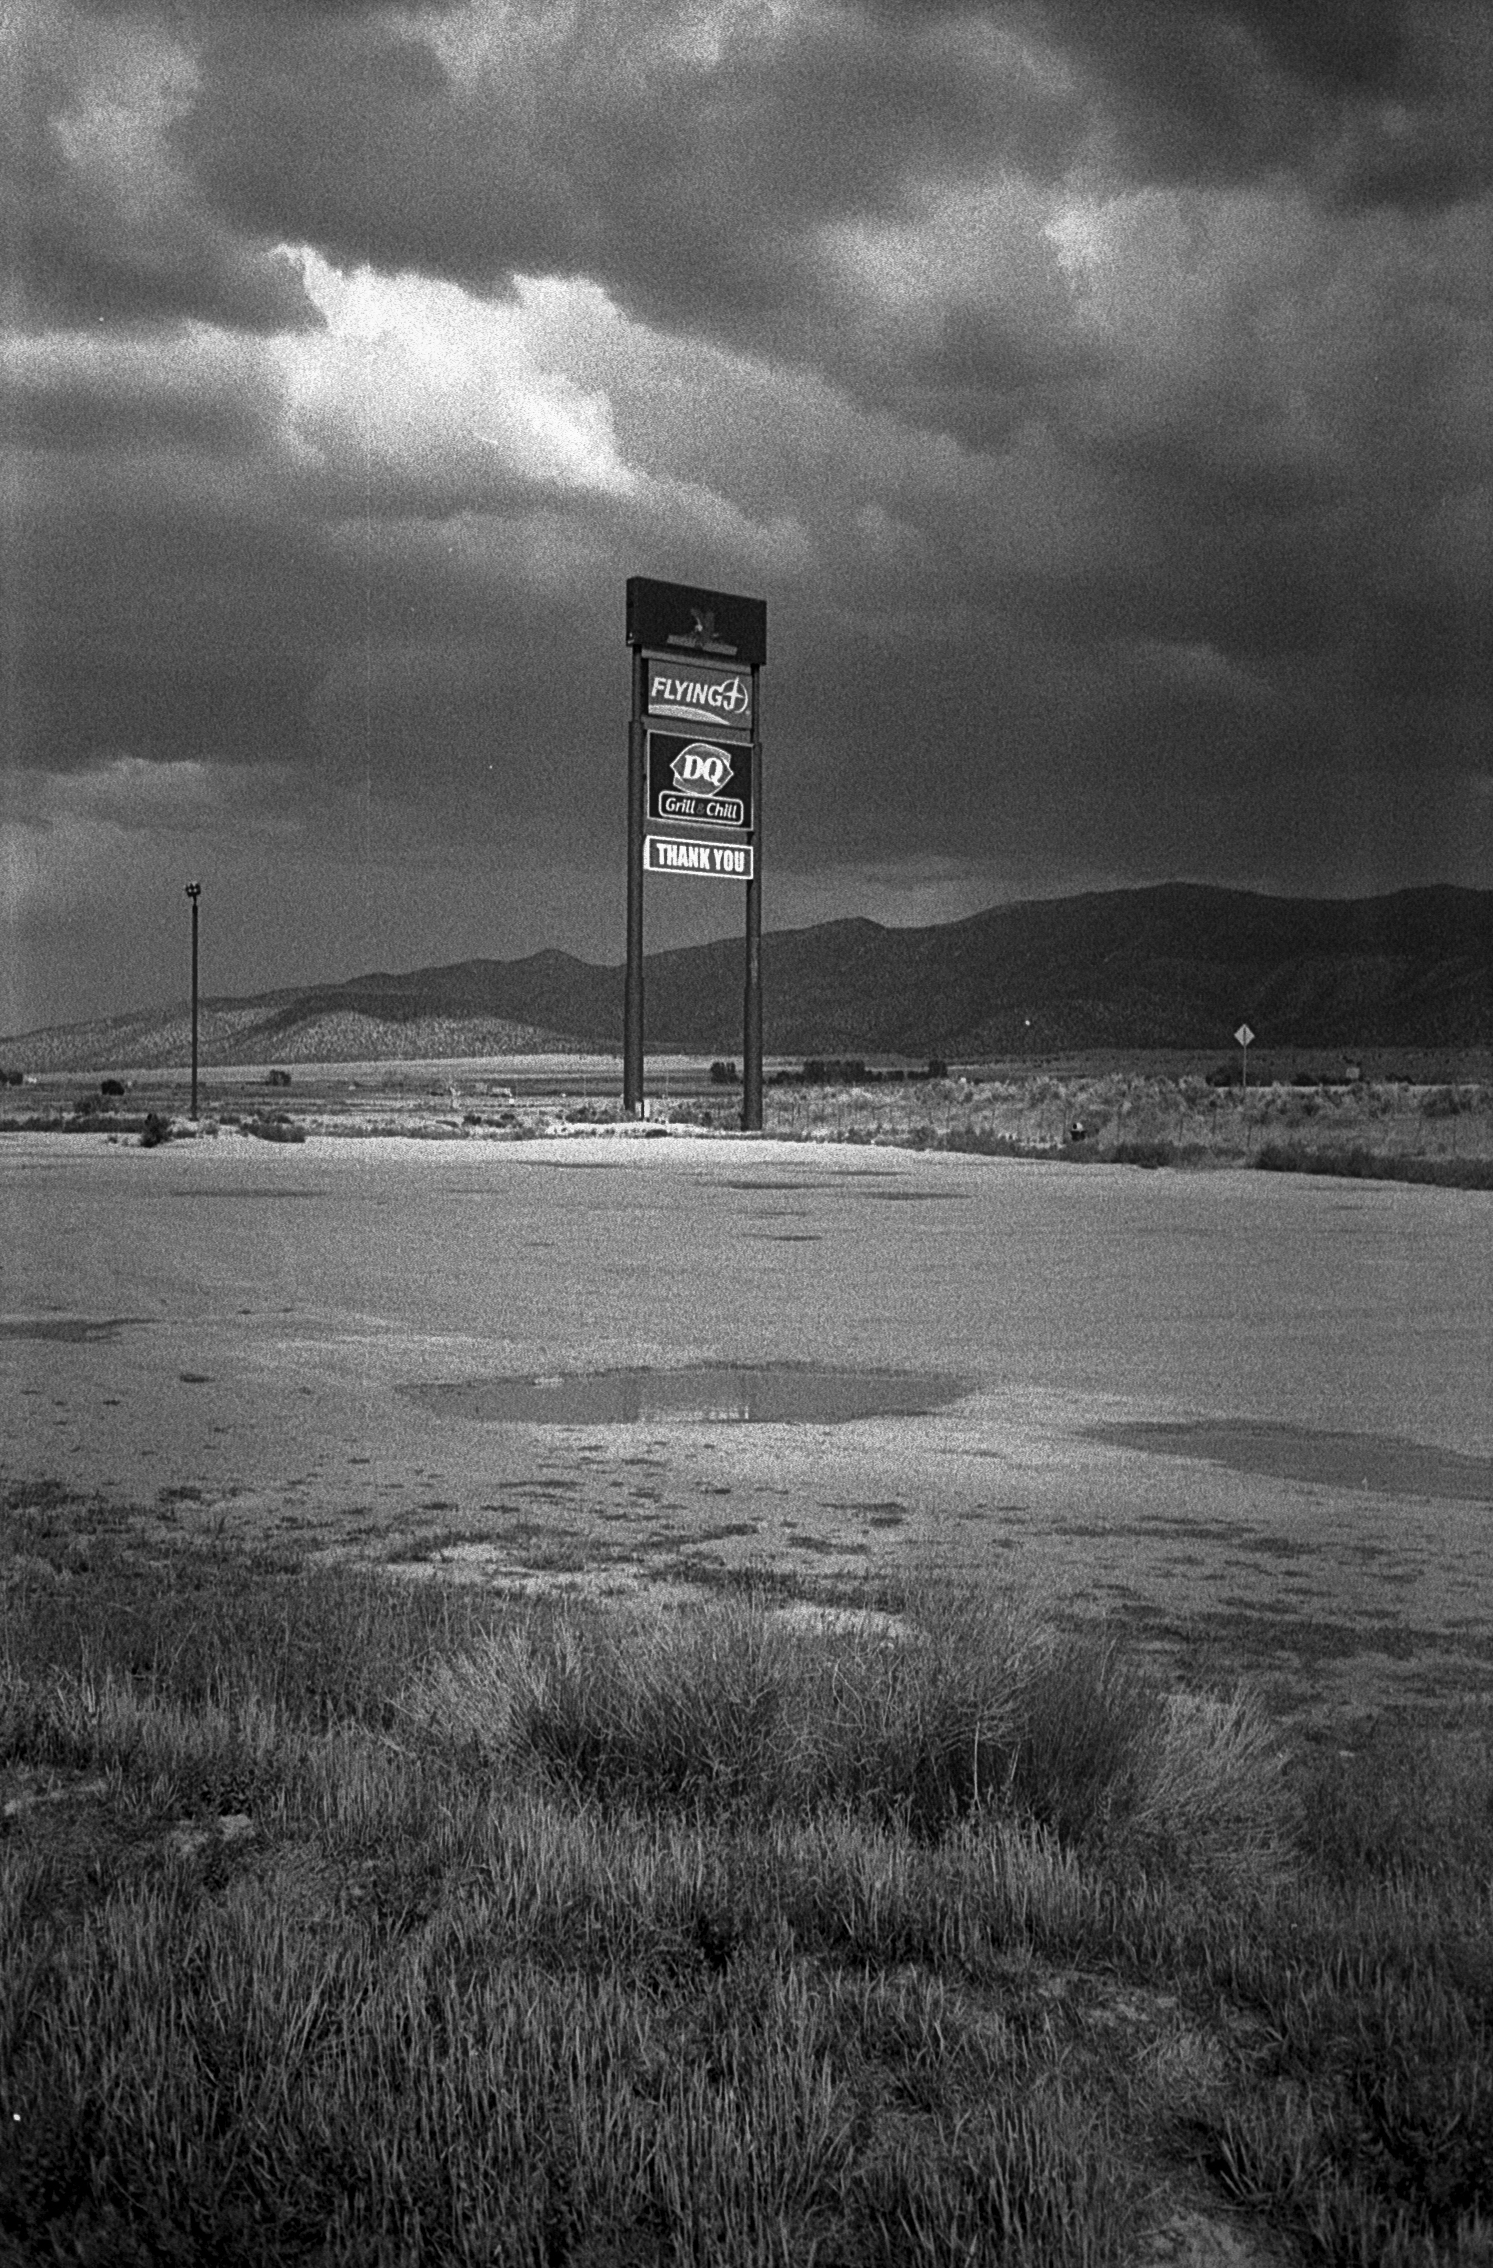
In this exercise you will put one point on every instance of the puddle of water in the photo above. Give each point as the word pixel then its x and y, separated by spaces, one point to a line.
pixel 1295 1452
pixel 751 1187
pixel 75 1329
pixel 920 1196
pixel 707 1394
pixel 274 1196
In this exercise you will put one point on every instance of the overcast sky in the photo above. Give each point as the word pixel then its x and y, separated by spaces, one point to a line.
pixel 1098 395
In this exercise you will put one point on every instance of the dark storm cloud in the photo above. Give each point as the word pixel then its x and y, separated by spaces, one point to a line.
pixel 1383 100
pixel 86 240
pixel 1098 396
pixel 691 187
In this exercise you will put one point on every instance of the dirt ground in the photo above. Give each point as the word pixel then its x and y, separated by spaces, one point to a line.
pixel 1245 1415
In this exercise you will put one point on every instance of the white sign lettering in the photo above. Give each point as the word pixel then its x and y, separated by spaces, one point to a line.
pixel 670 854
pixel 701 695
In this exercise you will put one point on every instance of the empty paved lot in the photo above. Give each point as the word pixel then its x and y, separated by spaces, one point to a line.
pixel 1227 1401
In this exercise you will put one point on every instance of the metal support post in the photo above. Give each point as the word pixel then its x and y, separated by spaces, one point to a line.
pixel 632 997
pixel 194 892
pixel 751 1028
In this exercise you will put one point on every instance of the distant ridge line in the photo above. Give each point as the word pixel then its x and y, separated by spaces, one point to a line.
pixel 1172 965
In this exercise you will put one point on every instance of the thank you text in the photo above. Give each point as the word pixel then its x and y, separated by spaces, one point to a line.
pixel 674 854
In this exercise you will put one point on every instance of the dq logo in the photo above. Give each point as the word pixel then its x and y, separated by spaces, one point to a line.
pixel 700 765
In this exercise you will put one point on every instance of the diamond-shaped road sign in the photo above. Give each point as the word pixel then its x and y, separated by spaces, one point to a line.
pixel 1244 1035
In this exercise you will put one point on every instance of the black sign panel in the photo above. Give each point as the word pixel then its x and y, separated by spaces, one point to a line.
pixel 699 693
pixel 707 782
pixel 715 625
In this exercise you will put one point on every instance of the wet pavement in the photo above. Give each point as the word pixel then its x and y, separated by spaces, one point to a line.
pixel 1236 1410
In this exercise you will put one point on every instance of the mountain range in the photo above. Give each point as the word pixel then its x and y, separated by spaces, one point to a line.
pixel 1180 965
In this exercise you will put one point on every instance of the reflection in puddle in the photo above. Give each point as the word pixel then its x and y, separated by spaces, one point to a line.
pixel 1333 1460
pixel 78 1330
pixel 707 1394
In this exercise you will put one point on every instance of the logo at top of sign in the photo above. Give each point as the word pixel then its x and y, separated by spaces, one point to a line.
pixel 704 634
pixel 700 765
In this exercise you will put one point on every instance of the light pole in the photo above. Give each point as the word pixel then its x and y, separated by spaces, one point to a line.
pixel 194 892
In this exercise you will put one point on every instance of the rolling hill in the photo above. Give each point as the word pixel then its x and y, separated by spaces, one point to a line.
pixel 1176 966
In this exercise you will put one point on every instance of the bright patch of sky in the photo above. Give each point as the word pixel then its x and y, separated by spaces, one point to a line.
pixel 417 367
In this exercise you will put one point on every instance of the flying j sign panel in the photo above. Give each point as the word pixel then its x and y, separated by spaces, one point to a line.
pixel 705 782
pixel 700 694
pixel 671 854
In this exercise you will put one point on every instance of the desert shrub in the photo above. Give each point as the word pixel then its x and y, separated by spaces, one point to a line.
pixel 312 1645
pixel 155 1131
pixel 1447 1102
pixel 982 1141
pixel 1359 1163
pixel 273 1129
pixel 1142 1153
pixel 1213 1797
pixel 1409 1800
pixel 834 1071
pixel 967 1709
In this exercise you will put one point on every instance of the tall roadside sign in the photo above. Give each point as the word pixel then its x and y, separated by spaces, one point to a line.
pixel 694 783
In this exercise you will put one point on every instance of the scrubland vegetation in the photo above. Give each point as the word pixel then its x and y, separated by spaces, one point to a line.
pixel 357 1919
pixel 1380 1129
pixel 1375 1129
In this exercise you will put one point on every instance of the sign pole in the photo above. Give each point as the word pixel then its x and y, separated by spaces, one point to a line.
pixel 1244 1035
pixel 194 892
pixel 632 999
pixel 751 1025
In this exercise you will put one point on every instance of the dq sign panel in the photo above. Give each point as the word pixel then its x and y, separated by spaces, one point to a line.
pixel 671 854
pixel 700 694
pixel 705 782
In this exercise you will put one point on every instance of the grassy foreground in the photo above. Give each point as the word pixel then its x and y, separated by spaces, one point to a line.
pixel 347 1919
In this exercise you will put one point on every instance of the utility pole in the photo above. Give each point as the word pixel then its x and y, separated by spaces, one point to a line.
pixel 194 892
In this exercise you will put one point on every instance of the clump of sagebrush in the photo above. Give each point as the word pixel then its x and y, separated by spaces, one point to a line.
pixel 726 1936
pixel 966 1705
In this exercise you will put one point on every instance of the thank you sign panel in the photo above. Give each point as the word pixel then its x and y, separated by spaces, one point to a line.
pixel 681 854
pixel 706 783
